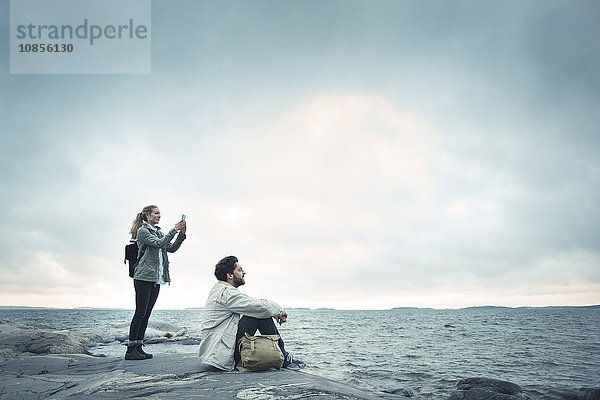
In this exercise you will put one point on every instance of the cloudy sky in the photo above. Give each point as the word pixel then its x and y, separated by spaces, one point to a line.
pixel 352 154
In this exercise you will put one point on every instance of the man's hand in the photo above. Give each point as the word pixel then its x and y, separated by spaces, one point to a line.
pixel 281 318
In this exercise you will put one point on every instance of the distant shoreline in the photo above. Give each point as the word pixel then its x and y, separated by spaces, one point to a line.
pixel 308 309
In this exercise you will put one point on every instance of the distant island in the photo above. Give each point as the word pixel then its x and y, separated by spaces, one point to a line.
pixel 494 307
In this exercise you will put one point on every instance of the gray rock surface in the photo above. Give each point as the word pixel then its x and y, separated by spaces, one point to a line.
pixel 572 394
pixel 487 389
pixel 168 376
pixel 400 392
pixel 16 339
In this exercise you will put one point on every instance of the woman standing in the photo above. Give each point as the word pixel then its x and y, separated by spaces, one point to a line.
pixel 151 271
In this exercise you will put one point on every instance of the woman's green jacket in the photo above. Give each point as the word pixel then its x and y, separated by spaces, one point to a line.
pixel 150 243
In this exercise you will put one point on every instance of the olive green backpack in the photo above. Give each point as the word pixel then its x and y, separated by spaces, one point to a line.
pixel 260 353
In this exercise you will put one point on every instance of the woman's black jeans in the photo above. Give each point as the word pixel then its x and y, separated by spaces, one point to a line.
pixel 146 294
pixel 250 325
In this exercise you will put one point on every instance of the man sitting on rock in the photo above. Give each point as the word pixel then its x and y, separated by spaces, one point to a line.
pixel 229 314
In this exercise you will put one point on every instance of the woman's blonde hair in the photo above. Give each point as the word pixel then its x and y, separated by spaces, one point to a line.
pixel 139 220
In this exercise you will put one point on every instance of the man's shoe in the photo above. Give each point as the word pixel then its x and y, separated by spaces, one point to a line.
pixel 141 351
pixel 291 363
pixel 133 354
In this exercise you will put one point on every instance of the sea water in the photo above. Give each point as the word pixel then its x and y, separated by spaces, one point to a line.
pixel 424 351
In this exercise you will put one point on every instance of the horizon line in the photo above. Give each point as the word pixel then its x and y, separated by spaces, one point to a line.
pixel 306 308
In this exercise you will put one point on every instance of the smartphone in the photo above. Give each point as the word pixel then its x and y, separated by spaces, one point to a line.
pixel 183 217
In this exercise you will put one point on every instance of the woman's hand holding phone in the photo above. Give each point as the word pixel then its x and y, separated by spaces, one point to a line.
pixel 180 225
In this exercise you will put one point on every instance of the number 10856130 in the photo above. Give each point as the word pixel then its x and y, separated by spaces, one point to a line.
pixel 46 48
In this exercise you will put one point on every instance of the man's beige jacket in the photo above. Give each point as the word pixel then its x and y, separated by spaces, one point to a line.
pixel 224 307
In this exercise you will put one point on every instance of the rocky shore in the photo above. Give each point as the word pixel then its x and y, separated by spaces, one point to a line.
pixel 41 363
pixel 169 376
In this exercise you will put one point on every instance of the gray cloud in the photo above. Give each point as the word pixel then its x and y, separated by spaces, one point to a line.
pixel 395 149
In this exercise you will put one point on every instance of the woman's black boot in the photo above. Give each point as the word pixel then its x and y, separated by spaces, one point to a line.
pixel 141 351
pixel 133 354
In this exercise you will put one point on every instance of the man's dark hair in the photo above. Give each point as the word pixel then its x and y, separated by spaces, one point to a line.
pixel 224 267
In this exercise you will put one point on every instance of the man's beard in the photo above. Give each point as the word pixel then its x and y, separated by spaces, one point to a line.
pixel 238 281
